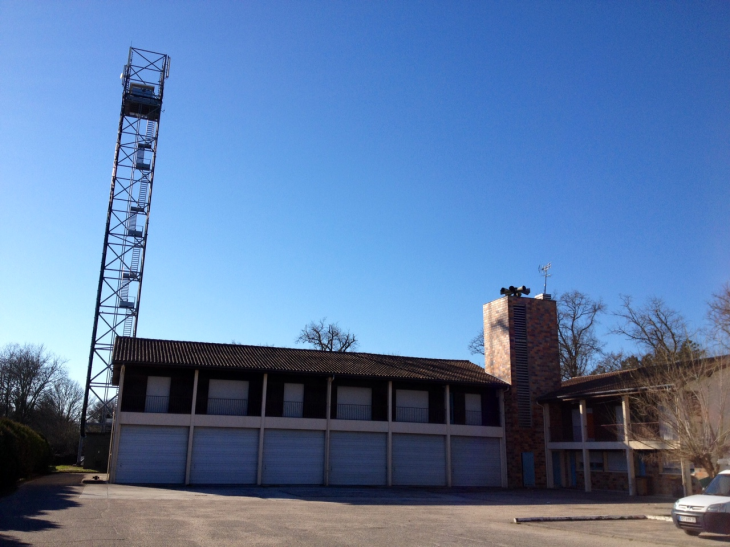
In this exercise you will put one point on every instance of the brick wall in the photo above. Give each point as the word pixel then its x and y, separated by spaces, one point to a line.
pixel 497 339
pixel 544 375
pixel 608 480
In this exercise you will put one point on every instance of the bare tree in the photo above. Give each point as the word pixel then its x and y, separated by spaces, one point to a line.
pixel 64 399
pixel 690 403
pixel 57 415
pixel 614 361
pixel 655 328
pixel 678 386
pixel 476 344
pixel 36 391
pixel 6 384
pixel 329 337
pixel 28 372
pixel 719 316
pixel 579 346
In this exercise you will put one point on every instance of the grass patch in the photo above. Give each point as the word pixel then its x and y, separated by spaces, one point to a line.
pixel 73 469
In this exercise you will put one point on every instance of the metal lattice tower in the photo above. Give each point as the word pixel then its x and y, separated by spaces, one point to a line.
pixel 127 220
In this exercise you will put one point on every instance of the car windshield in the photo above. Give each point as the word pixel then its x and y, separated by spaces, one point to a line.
pixel 720 486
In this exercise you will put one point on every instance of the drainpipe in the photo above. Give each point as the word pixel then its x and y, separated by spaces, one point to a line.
pixel 448 437
pixel 191 432
pixel 390 433
pixel 116 430
pixel 327 433
pixel 260 468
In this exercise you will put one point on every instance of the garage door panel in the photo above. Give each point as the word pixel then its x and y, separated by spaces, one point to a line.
pixel 358 458
pixel 293 457
pixel 419 460
pixel 475 461
pixel 224 456
pixel 152 455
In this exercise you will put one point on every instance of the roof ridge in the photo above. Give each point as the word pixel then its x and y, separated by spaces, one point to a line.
pixel 310 350
pixel 159 352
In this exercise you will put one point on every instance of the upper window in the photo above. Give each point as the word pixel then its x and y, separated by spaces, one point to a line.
pixel 293 400
pixel 228 397
pixel 354 403
pixel 411 406
pixel 158 394
pixel 577 427
pixel 473 408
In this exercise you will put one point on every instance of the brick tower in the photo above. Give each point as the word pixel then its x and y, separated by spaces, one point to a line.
pixel 521 348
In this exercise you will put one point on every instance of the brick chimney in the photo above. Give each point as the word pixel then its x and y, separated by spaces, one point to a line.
pixel 521 348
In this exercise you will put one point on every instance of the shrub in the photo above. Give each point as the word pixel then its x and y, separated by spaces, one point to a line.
pixel 23 452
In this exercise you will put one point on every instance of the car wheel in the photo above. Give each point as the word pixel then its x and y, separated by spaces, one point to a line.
pixel 691 532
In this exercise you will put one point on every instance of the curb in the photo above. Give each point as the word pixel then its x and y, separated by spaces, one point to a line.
pixel 96 479
pixel 659 517
pixel 586 518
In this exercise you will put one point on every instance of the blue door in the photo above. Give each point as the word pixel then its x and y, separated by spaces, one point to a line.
pixel 557 469
pixel 528 469
pixel 573 469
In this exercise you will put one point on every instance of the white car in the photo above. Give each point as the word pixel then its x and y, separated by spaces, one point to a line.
pixel 706 512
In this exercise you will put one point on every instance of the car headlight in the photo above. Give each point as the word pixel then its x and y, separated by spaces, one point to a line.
pixel 717 508
pixel 676 504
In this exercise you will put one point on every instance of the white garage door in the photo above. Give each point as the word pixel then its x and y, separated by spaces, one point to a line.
pixel 152 454
pixel 419 460
pixel 224 456
pixel 475 461
pixel 358 458
pixel 293 457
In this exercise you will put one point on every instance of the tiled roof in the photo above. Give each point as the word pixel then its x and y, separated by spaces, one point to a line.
pixel 622 380
pixel 169 353
pixel 603 377
pixel 591 385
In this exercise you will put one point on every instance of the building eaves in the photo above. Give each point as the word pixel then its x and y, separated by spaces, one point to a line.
pixel 616 382
pixel 170 353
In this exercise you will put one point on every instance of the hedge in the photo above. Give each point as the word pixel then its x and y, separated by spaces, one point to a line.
pixel 23 452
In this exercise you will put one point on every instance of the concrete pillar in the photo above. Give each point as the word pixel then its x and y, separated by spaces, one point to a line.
pixel 191 431
pixel 116 431
pixel 584 443
pixel 260 469
pixel 448 436
pixel 327 434
pixel 630 468
pixel 548 452
pixel 503 440
pixel 390 433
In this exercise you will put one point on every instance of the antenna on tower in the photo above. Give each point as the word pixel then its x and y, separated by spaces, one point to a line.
pixel 544 272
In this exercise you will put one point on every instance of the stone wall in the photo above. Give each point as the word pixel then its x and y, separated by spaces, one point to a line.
pixel 608 480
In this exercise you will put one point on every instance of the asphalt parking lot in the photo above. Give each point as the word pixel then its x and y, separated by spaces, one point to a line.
pixel 60 510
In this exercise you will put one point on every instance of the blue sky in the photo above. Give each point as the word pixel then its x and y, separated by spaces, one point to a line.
pixel 389 165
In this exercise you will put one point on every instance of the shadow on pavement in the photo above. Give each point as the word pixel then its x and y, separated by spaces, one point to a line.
pixel 721 539
pixel 413 495
pixel 22 511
